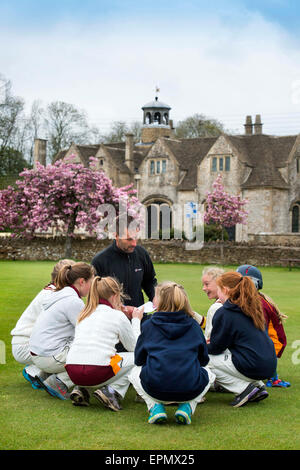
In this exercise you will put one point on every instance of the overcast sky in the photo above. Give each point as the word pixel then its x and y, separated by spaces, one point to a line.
pixel 225 59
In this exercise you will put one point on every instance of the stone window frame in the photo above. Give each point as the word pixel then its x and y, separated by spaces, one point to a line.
pixel 220 163
pixel 157 166
pixel 295 228
pixel 298 165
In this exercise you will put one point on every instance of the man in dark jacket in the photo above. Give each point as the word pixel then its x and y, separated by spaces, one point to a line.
pixel 129 262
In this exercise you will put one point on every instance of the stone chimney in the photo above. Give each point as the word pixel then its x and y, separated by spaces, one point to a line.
pixel 248 126
pixel 258 125
pixel 129 151
pixel 39 151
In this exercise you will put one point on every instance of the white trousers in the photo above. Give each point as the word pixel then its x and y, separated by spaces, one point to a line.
pixel 55 365
pixel 150 401
pixel 120 381
pixel 227 375
pixel 22 355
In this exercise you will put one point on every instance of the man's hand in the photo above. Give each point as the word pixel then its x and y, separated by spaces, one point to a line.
pixel 128 309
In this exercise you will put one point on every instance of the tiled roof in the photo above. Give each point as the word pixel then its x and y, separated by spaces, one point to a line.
pixel 189 153
pixel 265 155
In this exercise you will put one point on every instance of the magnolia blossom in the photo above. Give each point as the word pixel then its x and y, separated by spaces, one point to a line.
pixel 223 209
pixel 64 196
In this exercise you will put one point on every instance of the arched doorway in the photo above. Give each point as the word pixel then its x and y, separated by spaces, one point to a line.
pixel 158 220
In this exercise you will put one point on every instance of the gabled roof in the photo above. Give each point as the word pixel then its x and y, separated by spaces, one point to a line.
pixel 265 154
pixel 60 155
pixel 117 153
pixel 87 151
pixel 189 153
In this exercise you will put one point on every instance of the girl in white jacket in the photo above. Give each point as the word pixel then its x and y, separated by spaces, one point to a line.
pixel 92 360
pixel 54 329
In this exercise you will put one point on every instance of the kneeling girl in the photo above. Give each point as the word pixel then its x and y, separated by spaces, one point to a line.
pixel 93 360
pixel 171 355
pixel 241 353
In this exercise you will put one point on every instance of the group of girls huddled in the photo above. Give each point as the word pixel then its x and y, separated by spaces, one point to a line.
pixel 171 357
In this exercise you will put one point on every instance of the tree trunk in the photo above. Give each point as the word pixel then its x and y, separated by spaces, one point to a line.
pixel 68 247
pixel 69 236
pixel 222 247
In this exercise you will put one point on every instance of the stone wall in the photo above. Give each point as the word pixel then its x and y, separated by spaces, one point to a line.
pixel 278 239
pixel 168 251
pixel 151 133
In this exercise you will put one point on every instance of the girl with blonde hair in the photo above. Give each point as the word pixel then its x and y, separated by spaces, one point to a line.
pixel 171 355
pixel 93 360
pixel 241 352
pixel 209 286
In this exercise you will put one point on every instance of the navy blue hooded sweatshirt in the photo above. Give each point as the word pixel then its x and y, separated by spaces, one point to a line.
pixel 172 350
pixel 253 352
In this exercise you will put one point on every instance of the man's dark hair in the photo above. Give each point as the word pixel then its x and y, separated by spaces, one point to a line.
pixel 123 222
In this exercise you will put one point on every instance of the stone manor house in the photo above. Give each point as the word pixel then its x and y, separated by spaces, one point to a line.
pixel 262 168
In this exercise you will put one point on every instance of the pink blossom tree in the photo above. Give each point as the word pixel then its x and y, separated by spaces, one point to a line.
pixel 223 209
pixel 64 196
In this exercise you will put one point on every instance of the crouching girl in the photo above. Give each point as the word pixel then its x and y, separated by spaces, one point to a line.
pixel 241 352
pixel 53 331
pixel 93 360
pixel 170 356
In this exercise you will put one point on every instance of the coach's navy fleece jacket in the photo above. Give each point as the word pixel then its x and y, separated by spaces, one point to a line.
pixel 253 352
pixel 172 350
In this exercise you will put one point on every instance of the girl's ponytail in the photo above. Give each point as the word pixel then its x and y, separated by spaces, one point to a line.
pixel 92 300
pixel 102 288
pixel 58 267
pixel 242 292
pixel 69 273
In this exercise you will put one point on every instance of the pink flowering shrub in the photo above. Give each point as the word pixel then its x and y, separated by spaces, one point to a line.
pixel 223 209
pixel 64 196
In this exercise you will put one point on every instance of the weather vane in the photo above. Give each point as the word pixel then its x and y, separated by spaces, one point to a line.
pixel 157 89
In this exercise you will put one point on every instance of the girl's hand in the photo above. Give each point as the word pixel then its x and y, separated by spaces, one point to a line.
pixel 138 313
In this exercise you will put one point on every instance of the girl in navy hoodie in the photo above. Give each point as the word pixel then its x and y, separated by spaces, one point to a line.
pixel 241 352
pixel 171 355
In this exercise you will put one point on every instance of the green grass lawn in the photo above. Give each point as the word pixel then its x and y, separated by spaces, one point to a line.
pixel 31 419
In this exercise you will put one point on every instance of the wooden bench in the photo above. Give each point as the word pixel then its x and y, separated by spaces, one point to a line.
pixel 290 262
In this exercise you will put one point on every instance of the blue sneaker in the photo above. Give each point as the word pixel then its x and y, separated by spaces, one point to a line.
pixel 55 387
pixel 183 414
pixel 277 382
pixel 158 414
pixel 32 380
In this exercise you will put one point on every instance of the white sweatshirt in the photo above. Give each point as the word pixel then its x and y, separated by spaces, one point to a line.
pixel 55 326
pixel 22 331
pixel 210 313
pixel 96 336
